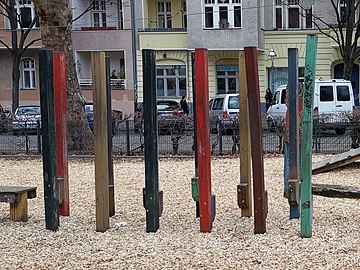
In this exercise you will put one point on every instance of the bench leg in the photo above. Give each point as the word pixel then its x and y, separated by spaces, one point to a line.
pixel 19 211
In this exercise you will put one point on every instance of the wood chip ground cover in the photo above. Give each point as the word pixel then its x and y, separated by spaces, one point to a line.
pixel 178 244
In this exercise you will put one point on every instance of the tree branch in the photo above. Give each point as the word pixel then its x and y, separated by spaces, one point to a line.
pixel 7 47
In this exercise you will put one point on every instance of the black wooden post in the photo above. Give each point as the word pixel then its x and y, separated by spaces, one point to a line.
pixel 151 190
pixel 48 139
pixel 293 184
pixel 110 148
pixel 127 138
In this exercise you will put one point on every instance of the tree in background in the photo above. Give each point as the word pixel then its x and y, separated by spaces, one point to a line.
pixel 20 28
pixel 345 32
pixel 56 24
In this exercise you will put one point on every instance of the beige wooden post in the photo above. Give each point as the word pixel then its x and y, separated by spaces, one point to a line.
pixel 244 189
pixel 100 141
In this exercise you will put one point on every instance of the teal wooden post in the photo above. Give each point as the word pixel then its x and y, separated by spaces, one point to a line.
pixel 48 139
pixel 306 148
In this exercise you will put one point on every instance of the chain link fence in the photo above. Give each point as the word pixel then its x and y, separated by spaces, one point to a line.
pixel 177 138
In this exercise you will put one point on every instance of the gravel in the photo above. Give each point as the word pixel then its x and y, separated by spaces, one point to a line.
pixel 178 244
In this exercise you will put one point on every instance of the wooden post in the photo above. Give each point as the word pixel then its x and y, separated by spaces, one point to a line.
pixel 260 196
pixel 151 190
pixel 100 141
pixel 51 193
pixel 244 189
pixel 307 126
pixel 61 131
pixel 109 135
pixel 203 140
pixel 293 183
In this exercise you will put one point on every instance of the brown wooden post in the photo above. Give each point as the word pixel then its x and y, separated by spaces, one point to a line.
pixel 244 189
pixel 260 196
pixel 100 141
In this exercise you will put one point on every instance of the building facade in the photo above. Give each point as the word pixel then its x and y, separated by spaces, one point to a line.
pixel 98 26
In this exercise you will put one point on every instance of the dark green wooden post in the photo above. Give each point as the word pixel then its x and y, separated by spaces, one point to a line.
pixel 151 190
pixel 293 181
pixel 48 139
pixel 110 145
pixel 307 128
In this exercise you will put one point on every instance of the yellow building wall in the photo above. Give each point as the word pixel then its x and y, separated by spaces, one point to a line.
pixel 328 55
pixel 175 13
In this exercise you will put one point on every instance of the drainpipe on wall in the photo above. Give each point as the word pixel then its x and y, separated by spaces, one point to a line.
pixel 134 32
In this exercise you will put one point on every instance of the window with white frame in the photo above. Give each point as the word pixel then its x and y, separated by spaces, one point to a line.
pixel 26 12
pixel 28 73
pixel 171 81
pixel 99 13
pixel 227 79
pixel 222 14
pixel 164 19
pixel 289 15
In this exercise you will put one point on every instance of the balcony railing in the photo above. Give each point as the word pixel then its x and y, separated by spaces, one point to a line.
pixel 114 83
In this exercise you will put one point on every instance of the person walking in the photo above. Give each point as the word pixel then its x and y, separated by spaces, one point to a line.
pixel 268 98
pixel 184 106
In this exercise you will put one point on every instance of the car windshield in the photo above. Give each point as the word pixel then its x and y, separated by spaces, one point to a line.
pixel 165 106
pixel 28 110
pixel 89 107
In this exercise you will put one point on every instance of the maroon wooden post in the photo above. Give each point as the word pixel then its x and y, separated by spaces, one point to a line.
pixel 59 66
pixel 203 139
pixel 260 196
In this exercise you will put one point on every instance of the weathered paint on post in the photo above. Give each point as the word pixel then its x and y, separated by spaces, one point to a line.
pixel 307 128
pixel 48 139
pixel 245 145
pixel 260 198
pixel 151 190
pixel 203 139
pixel 61 130
pixel 293 130
pixel 109 135
pixel 100 141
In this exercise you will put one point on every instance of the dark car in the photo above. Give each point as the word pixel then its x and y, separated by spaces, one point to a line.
pixel 89 110
pixel 170 117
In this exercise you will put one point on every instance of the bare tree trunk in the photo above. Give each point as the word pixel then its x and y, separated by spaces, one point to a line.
pixel 56 23
pixel 15 82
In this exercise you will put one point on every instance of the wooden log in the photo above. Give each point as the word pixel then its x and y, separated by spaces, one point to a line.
pixel 306 209
pixel 244 143
pixel 336 191
pixel 100 141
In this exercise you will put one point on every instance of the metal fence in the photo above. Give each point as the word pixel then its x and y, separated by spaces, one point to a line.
pixel 130 142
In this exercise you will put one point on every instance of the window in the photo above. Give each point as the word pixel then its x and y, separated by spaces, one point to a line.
pixel 28 73
pixel 164 15
pixel 289 15
pixel 171 81
pixel 326 93
pixel 343 93
pixel 222 14
pixel 26 13
pixel 99 13
pixel 227 79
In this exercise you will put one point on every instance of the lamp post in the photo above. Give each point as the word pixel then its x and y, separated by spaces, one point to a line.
pixel 272 55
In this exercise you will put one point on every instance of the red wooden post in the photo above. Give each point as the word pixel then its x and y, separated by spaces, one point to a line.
pixel 59 66
pixel 203 139
pixel 260 196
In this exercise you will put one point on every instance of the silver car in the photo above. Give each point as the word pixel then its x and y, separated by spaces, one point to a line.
pixel 26 119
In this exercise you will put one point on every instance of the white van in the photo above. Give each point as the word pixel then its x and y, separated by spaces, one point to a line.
pixel 224 107
pixel 332 99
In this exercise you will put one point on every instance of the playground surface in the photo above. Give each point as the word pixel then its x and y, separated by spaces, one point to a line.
pixel 178 244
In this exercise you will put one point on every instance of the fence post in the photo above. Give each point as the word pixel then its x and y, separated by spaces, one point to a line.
pixel 127 137
pixel 220 132
pixel 38 135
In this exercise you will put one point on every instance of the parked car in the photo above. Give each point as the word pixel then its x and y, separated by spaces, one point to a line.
pixel 333 100
pixel 89 110
pixel 26 119
pixel 224 108
pixel 170 117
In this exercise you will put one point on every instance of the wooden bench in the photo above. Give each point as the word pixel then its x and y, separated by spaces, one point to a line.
pixel 17 197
